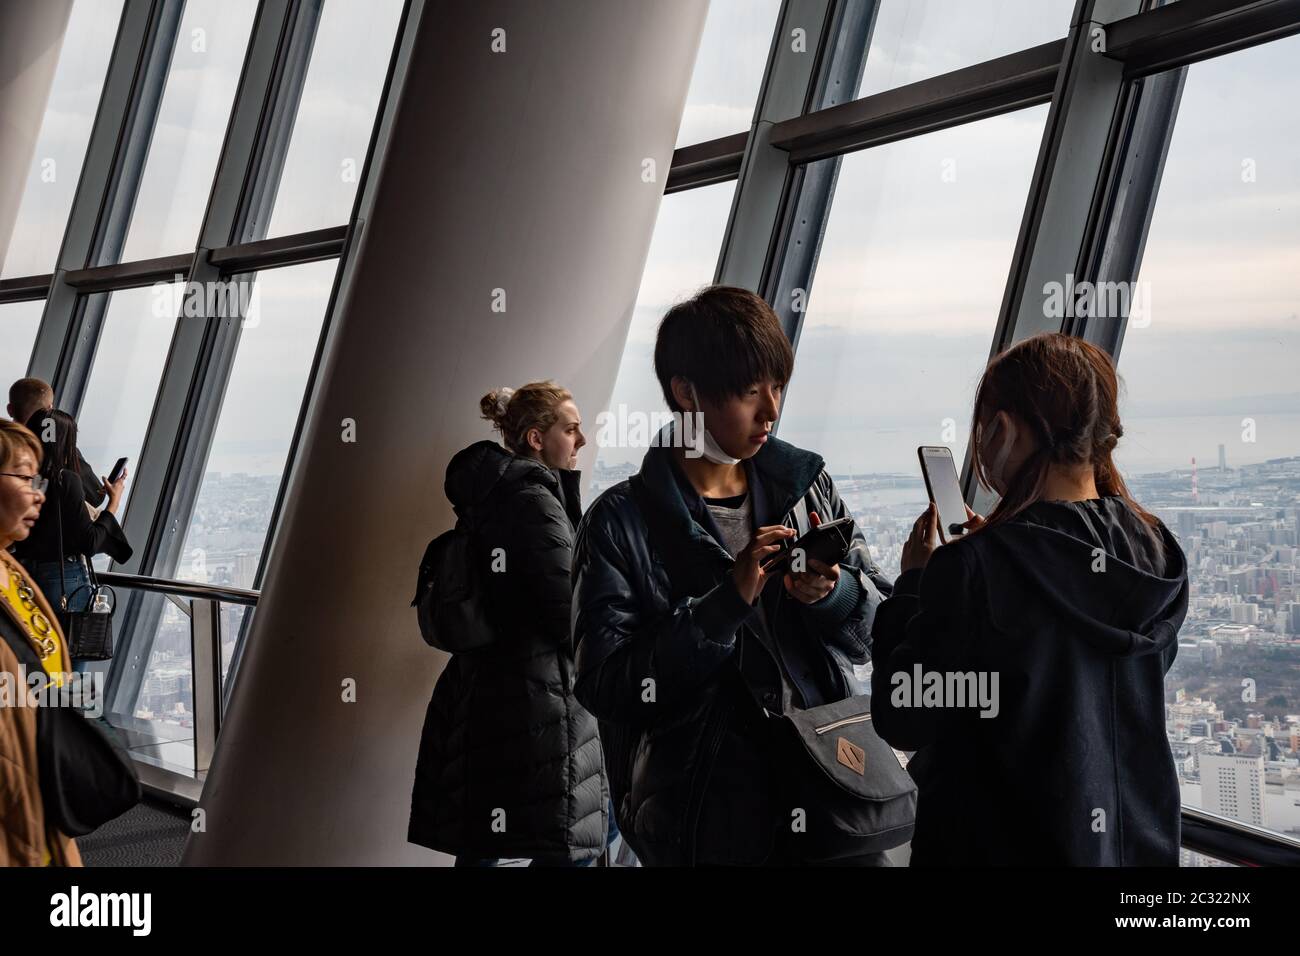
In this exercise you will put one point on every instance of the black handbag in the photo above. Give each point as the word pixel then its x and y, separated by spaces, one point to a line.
pixel 86 778
pixel 89 633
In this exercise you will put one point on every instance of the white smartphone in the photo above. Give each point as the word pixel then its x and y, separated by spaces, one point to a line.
pixel 944 488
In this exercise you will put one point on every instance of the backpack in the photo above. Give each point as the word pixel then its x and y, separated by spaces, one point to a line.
pixel 450 602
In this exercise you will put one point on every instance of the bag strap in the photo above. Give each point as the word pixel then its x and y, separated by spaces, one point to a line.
pixel 58 512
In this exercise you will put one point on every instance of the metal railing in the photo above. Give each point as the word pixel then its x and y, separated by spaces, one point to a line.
pixel 1202 832
pixel 1235 842
pixel 201 603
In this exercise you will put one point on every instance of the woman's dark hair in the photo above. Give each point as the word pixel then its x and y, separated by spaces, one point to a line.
pixel 1067 391
pixel 723 340
pixel 61 448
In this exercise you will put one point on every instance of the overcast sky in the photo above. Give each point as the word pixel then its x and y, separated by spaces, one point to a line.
pixel 327 149
pixel 919 243
pixel 913 265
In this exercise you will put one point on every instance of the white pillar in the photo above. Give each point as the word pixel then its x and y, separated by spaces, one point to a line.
pixel 520 171
pixel 31 36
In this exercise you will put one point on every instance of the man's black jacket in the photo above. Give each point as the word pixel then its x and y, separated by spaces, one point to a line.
pixel 662 641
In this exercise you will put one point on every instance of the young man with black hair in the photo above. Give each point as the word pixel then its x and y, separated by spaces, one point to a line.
pixel 686 646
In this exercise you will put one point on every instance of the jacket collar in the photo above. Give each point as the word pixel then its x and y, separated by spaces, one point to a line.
pixel 570 492
pixel 475 473
pixel 780 472
pixel 779 475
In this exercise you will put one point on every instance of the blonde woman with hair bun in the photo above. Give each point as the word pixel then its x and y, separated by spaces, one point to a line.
pixel 510 763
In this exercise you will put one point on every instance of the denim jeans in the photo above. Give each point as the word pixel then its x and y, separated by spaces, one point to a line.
pixel 46 576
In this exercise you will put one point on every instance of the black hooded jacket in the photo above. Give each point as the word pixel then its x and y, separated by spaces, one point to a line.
pixel 510 763
pixel 64 512
pixel 1076 609
pixel 662 641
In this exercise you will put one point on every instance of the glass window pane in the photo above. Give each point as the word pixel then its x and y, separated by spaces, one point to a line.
pixel 901 315
pixel 729 69
pixel 192 118
pixel 19 323
pixel 249 449
pixel 159 727
pixel 124 380
pixel 65 132
pixel 232 514
pixel 331 132
pixel 917 39
pixel 1210 376
pixel 683 256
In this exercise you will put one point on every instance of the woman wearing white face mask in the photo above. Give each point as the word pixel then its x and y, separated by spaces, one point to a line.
pixel 1024 663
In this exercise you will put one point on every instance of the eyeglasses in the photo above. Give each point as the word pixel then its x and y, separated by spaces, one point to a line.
pixel 38 483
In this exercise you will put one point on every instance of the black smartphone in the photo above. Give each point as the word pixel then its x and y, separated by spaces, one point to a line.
pixel 944 489
pixel 828 542
pixel 117 470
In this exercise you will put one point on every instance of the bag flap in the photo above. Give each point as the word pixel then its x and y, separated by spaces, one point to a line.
pixel 841 740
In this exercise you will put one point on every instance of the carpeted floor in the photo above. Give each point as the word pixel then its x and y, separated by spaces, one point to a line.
pixel 151 834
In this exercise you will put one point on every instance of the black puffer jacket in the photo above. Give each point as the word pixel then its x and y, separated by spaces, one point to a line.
pixel 510 763
pixel 662 641
pixel 1076 609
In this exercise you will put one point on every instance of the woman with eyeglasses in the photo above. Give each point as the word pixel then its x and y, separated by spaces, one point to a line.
pixel 29 630
pixel 65 527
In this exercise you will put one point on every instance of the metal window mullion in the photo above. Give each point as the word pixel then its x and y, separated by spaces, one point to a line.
pixel 205 683
pixel 1071 171
pixel 1000 85
pixel 118 206
pixel 25 288
pixel 1178 34
pixel 137 70
pixel 380 139
pixel 788 85
pixel 284 98
pixel 1121 230
pixel 198 365
pixel 780 210
pixel 810 189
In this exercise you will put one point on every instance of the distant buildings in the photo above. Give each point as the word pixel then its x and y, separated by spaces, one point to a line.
pixel 1233 785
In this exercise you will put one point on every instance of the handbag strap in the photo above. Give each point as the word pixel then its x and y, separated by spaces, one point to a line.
pixel 58 513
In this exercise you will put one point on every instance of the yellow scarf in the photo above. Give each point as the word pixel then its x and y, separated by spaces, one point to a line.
pixel 20 595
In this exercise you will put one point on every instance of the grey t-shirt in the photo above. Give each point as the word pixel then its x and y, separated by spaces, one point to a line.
pixel 734 518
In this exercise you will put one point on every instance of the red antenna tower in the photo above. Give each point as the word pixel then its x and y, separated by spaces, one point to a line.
pixel 1196 498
